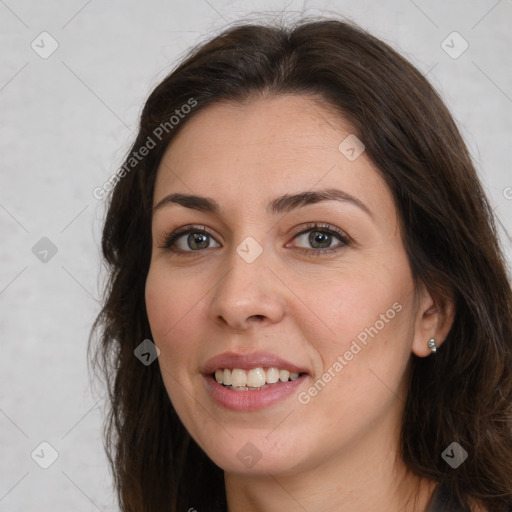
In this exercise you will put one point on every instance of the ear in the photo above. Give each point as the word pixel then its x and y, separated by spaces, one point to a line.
pixel 434 319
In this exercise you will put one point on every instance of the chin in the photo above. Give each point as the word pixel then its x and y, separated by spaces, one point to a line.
pixel 256 455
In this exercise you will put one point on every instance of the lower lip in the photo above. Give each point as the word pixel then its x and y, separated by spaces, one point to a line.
pixel 251 400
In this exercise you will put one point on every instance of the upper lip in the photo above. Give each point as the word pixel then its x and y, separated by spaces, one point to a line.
pixel 248 361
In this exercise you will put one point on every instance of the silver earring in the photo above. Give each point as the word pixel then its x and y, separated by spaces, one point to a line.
pixel 432 345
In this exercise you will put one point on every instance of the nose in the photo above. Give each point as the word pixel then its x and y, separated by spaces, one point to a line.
pixel 247 294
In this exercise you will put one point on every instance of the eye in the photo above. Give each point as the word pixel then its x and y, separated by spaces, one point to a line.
pixel 197 239
pixel 320 238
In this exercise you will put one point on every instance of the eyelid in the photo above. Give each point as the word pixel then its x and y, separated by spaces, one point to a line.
pixel 344 239
pixel 322 226
pixel 170 238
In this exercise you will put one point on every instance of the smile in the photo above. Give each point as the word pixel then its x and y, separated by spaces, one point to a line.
pixel 237 379
pixel 251 381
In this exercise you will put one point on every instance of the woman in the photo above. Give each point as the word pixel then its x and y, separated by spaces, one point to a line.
pixel 300 231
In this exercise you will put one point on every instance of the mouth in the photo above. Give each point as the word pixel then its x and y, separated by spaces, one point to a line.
pixel 249 382
pixel 255 379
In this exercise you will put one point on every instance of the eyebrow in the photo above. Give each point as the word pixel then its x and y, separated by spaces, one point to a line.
pixel 281 204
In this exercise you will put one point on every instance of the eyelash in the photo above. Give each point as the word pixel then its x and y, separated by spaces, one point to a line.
pixel 322 228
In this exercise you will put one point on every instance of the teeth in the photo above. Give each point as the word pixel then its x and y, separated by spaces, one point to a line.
pixel 272 375
pixel 284 375
pixel 226 378
pixel 238 378
pixel 255 378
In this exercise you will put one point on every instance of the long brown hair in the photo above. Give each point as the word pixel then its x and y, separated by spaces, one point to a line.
pixel 462 394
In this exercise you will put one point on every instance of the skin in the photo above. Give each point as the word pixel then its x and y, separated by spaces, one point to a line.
pixel 339 451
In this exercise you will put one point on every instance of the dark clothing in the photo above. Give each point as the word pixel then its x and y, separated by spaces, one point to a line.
pixel 443 501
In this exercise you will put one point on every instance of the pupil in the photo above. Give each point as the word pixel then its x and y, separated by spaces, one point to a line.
pixel 194 237
pixel 315 235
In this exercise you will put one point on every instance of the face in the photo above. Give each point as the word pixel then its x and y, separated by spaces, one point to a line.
pixel 262 287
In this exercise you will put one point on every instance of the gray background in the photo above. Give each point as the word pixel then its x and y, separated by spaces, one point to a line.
pixel 67 122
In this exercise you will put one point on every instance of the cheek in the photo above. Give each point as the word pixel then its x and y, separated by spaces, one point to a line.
pixel 172 311
pixel 170 301
pixel 160 301
pixel 361 329
pixel 349 305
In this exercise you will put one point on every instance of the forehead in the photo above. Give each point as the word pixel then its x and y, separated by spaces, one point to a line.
pixel 288 125
pixel 265 147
